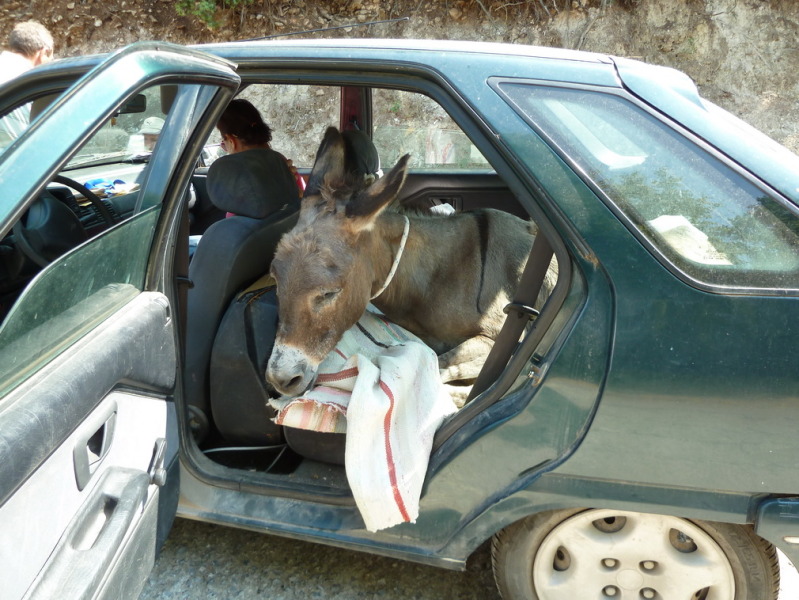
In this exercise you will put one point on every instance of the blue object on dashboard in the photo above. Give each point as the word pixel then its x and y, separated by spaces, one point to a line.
pixel 105 185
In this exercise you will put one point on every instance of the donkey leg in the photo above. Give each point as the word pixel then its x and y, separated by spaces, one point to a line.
pixel 458 393
pixel 464 361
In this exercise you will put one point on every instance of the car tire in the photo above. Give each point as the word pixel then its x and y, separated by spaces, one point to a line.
pixel 621 555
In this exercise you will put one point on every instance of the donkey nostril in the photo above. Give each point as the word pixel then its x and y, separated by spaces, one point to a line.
pixel 294 382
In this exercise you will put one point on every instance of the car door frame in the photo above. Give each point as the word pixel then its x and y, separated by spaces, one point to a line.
pixel 209 493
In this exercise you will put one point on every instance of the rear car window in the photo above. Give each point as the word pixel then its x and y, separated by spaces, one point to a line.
pixel 709 221
pixel 297 114
pixel 411 123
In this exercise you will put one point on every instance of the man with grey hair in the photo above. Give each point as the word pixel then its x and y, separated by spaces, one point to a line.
pixel 29 45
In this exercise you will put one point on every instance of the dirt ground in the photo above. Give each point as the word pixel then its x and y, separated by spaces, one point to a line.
pixel 209 562
pixel 741 53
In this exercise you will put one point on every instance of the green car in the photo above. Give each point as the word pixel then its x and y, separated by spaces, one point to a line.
pixel 633 437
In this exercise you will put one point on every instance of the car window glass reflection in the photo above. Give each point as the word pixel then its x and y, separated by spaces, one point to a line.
pixel 80 250
pixel 711 222
pixel 13 124
pixel 76 293
pixel 407 122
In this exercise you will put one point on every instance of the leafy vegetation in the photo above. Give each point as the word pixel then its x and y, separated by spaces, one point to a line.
pixel 206 10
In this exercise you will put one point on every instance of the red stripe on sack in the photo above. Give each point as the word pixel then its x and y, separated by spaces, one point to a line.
pixel 327 420
pixel 392 474
pixel 346 374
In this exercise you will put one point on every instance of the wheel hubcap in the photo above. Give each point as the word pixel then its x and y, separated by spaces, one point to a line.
pixel 630 556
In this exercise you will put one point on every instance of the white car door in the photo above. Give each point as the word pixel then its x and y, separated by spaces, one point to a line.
pixel 88 344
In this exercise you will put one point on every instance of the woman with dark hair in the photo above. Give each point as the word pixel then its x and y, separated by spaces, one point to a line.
pixel 242 128
pixel 252 180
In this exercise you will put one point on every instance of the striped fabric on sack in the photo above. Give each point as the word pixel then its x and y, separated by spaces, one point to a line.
pixel 381 386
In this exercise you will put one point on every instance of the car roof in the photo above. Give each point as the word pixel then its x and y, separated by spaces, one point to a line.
pixel 670 92
pixel 419 46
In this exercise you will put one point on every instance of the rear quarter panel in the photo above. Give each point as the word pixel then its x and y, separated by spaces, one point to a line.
pixel 662 396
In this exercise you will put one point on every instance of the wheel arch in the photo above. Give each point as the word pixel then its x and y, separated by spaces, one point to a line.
pixel 553 491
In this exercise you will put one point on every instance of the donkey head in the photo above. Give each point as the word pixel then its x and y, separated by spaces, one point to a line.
pixel 324 266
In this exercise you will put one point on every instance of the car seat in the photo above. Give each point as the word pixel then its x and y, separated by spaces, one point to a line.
pixel 238 391
pixel 260 190
pixel 244 340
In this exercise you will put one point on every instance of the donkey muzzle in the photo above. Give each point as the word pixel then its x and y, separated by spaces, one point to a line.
pixel 290 371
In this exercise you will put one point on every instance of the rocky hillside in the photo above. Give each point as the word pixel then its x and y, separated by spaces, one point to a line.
pixel 743 54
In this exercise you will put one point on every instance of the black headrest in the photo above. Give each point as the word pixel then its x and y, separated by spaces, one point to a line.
pixel 253 183
pixel 362 156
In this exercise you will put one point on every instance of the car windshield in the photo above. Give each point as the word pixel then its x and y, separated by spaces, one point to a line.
pixel 130 135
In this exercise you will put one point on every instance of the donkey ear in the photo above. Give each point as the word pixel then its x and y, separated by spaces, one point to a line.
pixel 329 161
pixel 366 206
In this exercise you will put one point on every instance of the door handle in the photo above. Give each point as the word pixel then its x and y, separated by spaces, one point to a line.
pixel 84 554
pixel 93 443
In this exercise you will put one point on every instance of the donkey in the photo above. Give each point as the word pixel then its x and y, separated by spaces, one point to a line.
pixel 445 278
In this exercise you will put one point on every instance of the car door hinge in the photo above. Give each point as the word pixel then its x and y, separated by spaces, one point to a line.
pixel 534 374
pixel 156 470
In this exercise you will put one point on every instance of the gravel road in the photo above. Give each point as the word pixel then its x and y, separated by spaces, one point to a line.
pixel 209 562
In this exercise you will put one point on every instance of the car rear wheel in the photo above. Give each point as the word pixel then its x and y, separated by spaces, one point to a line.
pixel 622 555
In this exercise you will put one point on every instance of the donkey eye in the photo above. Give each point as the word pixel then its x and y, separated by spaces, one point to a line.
pixel 328 296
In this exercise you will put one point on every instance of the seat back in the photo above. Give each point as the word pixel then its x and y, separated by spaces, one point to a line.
pixel 259 188
pixel 362 158
pixel 239 393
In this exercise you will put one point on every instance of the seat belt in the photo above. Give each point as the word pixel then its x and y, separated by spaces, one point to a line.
pixel 520 312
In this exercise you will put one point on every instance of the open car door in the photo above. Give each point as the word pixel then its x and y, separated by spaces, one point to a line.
pixel 89 346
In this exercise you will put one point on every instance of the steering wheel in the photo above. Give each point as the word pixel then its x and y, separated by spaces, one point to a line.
pixel 93 198
pixel 49 228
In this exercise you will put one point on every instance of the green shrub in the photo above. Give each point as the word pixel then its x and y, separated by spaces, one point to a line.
pixel 206 10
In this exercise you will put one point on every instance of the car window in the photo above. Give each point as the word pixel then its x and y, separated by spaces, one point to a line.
pixel 708 220
pixel 297 114
pixel 73 295
pixel 120 135
pixel 13 124
pixel 406 122
pixel 129 136
pixel 403 122
pixel 67 265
